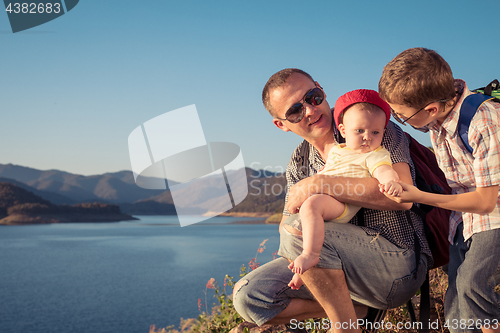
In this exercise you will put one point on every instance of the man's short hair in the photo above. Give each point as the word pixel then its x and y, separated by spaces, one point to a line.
pixel 416 77
pixel 277 80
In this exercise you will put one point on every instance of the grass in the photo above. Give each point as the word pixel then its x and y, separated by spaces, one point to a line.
pixel 222 317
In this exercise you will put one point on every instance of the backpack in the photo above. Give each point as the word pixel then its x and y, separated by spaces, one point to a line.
pixel 470 105
pixel 430 178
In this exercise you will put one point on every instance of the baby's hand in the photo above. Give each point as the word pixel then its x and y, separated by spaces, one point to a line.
pixel 403 193
pixel 392 188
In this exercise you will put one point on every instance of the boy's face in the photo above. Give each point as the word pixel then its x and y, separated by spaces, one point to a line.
pixel 416 117
pixel 363 131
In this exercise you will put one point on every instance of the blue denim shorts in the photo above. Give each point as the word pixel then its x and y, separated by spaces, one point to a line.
pixel 473 273
pixel 378 273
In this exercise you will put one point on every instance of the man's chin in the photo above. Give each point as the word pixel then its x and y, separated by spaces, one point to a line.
pixel 323 123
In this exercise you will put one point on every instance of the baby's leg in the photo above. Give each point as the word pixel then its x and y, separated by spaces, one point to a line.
pixel 313 212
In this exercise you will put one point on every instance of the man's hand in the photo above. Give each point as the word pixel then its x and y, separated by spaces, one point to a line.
pixel 300 192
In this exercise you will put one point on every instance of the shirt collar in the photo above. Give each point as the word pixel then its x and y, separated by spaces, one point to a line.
pixel 451 122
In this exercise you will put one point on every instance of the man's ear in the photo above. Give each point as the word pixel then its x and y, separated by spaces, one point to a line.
pixel 342 130
pixel 281 125
pixel 320 87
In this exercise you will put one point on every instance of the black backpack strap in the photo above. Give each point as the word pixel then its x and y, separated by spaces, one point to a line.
pixel 416 241
pixel 361 217
pixel 425 305
pixel 411 311
pixel 425 302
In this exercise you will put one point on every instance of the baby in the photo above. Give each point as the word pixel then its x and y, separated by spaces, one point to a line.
pixel 361 116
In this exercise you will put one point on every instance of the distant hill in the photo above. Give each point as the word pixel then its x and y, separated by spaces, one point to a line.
pixel 20 206
pixel 12 195
pixel 118 187
pixel 47 195
pixel 266 194
pixel 266 191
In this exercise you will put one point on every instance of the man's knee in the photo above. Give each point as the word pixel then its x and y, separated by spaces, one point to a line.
pixel 292 230
pixel 238 286
pixel 240 298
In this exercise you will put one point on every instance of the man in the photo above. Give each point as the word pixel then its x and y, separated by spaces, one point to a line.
pixel 375 266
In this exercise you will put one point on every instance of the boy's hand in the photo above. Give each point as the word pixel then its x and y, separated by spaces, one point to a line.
pixel 391 188
pixel 408 194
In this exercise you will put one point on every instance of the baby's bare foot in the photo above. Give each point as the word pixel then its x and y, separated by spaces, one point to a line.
pixel 303 262
pixel 295 282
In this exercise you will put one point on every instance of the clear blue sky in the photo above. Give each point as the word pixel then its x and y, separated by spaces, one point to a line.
pixel 73 89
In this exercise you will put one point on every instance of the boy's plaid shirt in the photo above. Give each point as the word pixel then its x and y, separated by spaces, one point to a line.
pixel 464 171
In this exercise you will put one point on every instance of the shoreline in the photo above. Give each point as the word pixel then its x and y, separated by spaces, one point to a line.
pixel 241 214
pixel 24 219
pixel 270 218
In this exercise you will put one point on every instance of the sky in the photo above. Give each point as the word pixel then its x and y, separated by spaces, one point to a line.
pixel 73 89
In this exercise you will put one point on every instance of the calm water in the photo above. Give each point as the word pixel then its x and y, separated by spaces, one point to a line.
pixel 118 277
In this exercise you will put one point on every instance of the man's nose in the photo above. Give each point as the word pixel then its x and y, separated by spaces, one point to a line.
pixel 310 109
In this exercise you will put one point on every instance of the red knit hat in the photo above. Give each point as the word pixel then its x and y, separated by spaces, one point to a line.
pixel 360 96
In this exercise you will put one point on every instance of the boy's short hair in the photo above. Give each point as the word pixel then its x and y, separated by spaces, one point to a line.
pixel 277 80
pixel 416 77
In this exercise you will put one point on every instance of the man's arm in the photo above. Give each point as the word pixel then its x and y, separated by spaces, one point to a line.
pixel 362 192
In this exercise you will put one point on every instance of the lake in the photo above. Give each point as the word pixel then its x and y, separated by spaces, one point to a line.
pixel 119 277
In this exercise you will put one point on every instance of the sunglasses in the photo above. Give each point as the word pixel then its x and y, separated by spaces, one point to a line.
pixel 297 111
pixel 403 121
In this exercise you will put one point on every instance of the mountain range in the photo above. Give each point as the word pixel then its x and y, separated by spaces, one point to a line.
pixel 266 191
pixel 20 206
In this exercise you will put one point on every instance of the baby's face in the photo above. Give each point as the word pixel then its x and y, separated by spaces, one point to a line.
pixel 363 131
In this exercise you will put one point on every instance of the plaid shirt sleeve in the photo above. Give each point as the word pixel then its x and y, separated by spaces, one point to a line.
pixel 485 141
pixel 292 175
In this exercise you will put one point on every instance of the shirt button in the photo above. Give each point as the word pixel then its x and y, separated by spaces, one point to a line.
pixel 450 169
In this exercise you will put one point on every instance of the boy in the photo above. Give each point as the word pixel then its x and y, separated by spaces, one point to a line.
pixel 419 86
pixel 361 116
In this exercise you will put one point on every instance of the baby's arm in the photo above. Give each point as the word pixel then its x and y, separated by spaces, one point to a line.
pixel 388 179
